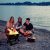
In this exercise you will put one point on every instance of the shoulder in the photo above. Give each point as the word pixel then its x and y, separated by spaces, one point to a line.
pixel 31 24
pixel 8 22
pixel 24 24
pixel 16 23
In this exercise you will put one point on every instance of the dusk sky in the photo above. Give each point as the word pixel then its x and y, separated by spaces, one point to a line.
pixel 4 1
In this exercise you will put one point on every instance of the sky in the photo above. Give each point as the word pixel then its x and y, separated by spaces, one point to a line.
pixel 4 1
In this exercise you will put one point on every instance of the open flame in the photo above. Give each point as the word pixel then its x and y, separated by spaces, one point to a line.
pixel 12 32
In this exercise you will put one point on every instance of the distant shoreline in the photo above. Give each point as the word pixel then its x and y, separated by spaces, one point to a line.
pixel 24 5
pixel 27 3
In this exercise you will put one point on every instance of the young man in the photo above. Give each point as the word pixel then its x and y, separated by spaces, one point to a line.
pixel 28 31
pixel 27 28
pixel 28 25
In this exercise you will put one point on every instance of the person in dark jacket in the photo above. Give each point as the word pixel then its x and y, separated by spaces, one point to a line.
pixel 27 28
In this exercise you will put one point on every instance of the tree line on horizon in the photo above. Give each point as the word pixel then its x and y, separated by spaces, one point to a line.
pixel 27 3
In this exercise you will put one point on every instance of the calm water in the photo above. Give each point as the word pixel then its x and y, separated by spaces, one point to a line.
pixel 39 15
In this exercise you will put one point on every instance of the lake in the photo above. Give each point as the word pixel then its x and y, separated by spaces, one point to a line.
pixel 39 15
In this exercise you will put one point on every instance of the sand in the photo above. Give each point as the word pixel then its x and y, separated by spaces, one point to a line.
pixel 42 41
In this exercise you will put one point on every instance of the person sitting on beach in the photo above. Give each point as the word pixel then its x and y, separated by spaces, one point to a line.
pixel 10 23
pixel 27 28
pixel 18 24
pixel 10 30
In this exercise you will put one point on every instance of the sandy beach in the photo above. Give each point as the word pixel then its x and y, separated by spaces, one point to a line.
pixel 42 40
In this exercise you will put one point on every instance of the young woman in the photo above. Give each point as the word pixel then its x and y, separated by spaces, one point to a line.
pixel 11 32
pixel 18 24
pixel 10 23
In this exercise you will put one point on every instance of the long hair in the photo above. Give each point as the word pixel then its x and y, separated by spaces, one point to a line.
pixel 20 20
pixel 11 19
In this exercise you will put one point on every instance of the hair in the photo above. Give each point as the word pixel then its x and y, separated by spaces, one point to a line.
pixel 11 18
pixel 20 21
pixel 28 19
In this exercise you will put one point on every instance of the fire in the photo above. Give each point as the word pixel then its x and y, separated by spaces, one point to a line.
pixel 12 32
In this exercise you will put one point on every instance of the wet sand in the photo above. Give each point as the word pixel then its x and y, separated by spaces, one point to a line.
pixel 42 41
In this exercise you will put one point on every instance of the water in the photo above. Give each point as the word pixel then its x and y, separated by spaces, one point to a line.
pixel 39 15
